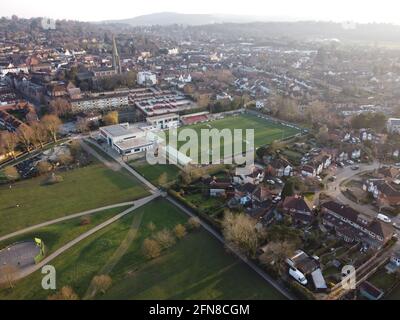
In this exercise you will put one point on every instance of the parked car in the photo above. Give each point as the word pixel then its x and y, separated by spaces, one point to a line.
pixel 271 182
pixel 355 168
pixel 298 276
pixel 384 218
pixel 396 225
pixel 278 180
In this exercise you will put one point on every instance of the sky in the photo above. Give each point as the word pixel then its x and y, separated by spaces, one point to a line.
pixel 96 10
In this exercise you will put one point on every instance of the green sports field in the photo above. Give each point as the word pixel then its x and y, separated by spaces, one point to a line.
pixel 265 131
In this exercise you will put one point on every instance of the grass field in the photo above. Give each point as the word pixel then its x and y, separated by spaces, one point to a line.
pixel 153 172
pixel 56 235
pixel 265 131
pixel 197 267
pixel 29 202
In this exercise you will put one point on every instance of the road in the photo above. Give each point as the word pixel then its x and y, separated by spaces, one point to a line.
pixel 345 174
pixel 29 270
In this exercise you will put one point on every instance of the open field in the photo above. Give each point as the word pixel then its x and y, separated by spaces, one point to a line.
pixel 197 267
pixel 153 172
pixel 265 131
pixel 29 202
pixel 56 235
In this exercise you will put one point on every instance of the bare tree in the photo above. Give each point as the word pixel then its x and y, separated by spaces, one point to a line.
pixel 9 142
pixel 60 107
pixel 25 135
pixel 102 283
pixel 111 118
pixel 11 173
pixel 8 272
pixel 163 179
pixel 52 124
pixel 180 231
pixel 82 125
pixel 65 159
pixel 165 238
pixel 43 167
pixel 240 232
pixel 66 293
pixel 151 249
pixel 277 253
pixel 40 133
pixel 151 226
pixel 194 223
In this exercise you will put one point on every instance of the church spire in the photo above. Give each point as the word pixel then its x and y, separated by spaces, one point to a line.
pixel 115 58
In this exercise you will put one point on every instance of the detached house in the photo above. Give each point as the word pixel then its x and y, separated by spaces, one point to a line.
pixel 256 177
pixel 298 209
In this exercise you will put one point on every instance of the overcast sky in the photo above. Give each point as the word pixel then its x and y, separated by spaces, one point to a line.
pixel 95 10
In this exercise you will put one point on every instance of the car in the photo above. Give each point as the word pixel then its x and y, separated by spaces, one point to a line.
pixel 383 218
pixel 279 180
pixel 318 178
pixel 341 164
pixel 298 276
pixel 396 225
pixel 351 162
pixel 271 182
pixel 355 168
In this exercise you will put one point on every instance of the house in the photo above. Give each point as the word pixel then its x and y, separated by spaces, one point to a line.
pixel 280 168
pixel 393 125
pixel 387 192
pixel 352 226
pixel 303 262
pixel 220 187
pixel 298 209
pixel 262 193
pixel 255 177
pixel 308 171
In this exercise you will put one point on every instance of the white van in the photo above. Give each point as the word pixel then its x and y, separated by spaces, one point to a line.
pixel 298 276
pixel 384 218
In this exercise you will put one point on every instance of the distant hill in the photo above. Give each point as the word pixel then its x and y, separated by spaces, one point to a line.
pixel 169 18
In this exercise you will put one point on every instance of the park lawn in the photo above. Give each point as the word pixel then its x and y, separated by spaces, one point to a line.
pixel 153 172
pixel 197 267
pixel 265 131
pixel 57 235
pixel 82 189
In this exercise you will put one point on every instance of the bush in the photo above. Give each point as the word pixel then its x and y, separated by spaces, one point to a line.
pixel 165 238
pixel 11 173
pixel 194 223
pixel 43 167
pixel 151 249
pixel 180 231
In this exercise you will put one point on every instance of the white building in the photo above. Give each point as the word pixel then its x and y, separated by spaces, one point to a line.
pixel 146 78
pixel 165 121
pixel 126 140
pixel 393 125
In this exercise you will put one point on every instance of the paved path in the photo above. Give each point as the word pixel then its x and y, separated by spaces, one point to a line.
pixel 70 244
pixel 69 217
pixel 121 163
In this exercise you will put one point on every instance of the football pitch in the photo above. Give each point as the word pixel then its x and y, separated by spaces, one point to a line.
pixel 265 132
